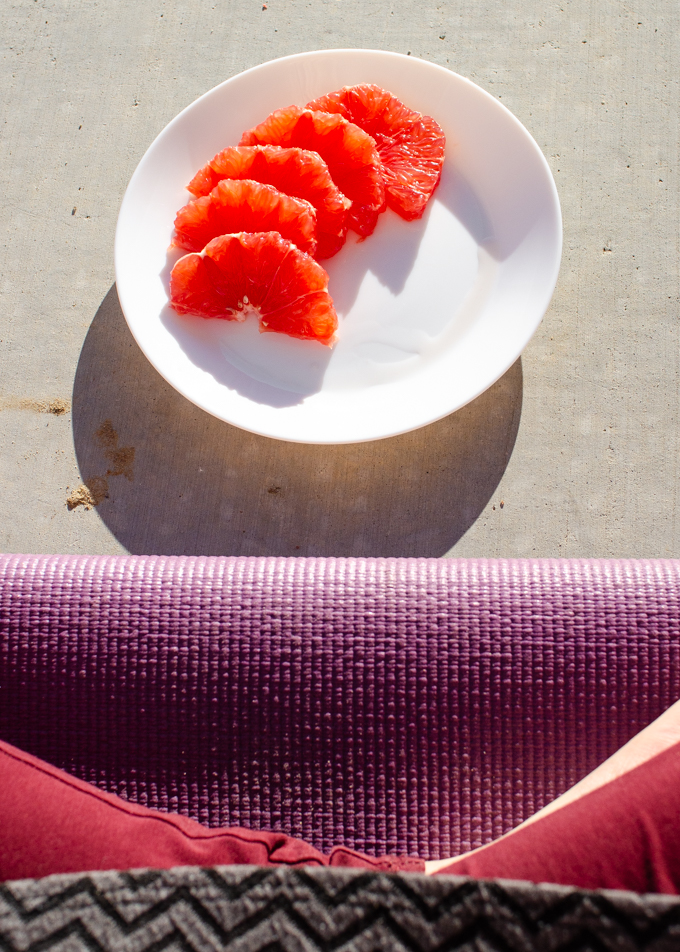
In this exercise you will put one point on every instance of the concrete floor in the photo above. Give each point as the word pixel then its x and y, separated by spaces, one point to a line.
pixel 573 453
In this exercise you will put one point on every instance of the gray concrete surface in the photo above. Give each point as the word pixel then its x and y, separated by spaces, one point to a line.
pixel 573 453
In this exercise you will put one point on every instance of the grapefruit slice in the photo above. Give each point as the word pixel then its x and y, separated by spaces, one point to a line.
pixel 236 275
pixel 411 146
pixel 241 205
pixel 296 172
pixel 349 153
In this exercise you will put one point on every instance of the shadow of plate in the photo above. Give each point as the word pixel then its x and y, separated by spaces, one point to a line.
pixel 174 480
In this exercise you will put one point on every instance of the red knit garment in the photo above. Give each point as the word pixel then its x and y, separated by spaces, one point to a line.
pixel 51 822
pixel 624 835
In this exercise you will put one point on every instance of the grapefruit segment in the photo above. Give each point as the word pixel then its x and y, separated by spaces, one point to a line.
pixel 296 172
pixel 410 145
pixel 205 180
pixel 349 153
pixel 192 291
pixel 308 317
pixel 241 205
pixel 256 273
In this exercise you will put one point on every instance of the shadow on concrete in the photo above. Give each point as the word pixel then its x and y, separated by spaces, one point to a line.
pixel 171 479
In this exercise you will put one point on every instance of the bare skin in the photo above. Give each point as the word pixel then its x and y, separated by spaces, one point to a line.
pixel 658 736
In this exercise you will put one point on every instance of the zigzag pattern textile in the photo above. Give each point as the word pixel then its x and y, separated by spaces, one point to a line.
pixel 250 909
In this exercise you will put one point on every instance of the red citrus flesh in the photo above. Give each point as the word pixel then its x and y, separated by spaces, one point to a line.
pixel 410 145
pixel 349 153
pixel 296 172
pixel 236 205
pixel 265 274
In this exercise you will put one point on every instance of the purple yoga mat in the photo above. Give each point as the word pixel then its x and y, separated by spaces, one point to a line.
pixel 417 706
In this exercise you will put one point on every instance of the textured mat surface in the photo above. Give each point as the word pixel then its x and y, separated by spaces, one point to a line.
pixel 248 909
pixel 409 706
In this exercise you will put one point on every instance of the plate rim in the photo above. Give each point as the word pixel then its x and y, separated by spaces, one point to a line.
pixel 540 308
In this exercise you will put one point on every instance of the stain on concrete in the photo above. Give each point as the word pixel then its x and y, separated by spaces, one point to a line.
pixel 121 458
pixel 89 494
pixel 106 436
pixel 57 407
pixel 96 489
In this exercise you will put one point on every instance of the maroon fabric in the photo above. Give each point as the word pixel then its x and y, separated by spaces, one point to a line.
pixel 395 705
pixel 53 823
pixel 625 835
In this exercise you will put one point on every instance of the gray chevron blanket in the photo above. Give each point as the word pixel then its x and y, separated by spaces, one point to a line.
pixel 249 908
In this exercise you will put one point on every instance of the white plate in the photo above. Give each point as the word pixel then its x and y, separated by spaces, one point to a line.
pixel 431 312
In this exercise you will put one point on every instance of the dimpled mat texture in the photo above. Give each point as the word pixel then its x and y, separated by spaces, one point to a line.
pixel 395 705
